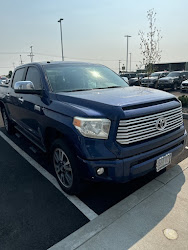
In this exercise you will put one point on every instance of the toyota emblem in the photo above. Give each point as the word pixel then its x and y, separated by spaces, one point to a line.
pixel 160 123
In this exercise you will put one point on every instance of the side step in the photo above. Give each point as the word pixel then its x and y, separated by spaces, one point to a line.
pixel 29 138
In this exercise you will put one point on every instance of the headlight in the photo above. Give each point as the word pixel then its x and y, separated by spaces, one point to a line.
pixel 92 128
pixel 171 80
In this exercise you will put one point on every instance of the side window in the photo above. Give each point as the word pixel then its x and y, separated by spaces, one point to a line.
pixel 186 75
pixel 33 75
pixel 18 76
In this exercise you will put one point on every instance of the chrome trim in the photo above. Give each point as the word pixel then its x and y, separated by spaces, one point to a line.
pixel 142 128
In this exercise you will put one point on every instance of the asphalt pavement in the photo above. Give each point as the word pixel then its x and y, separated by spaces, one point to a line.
pixel 33 213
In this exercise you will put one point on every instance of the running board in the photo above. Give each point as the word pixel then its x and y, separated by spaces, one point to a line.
pixel 29 138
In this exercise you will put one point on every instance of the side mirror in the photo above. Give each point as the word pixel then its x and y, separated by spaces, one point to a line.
pixel 184 77
pixel 26 87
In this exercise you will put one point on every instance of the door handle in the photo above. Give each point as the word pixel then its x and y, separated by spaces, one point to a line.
pixel 36 107
pixel 21 99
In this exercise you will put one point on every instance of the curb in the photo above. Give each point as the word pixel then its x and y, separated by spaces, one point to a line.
pixel 78 238
pixel 185 116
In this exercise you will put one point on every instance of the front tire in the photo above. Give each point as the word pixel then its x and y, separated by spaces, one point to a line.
pixel 156 85
pixel 9 127
pixel 64 164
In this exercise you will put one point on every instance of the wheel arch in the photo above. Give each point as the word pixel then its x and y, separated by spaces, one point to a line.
pixel 51 134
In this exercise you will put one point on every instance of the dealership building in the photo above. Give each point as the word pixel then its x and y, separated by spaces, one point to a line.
pixel 175 66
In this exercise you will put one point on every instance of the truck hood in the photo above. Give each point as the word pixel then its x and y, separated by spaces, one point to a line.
pixel 120 97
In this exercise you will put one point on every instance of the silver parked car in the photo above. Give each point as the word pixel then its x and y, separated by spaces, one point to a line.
pixel 184 86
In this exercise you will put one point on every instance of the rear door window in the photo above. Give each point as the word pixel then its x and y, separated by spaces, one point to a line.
pixel 33 75
pixel 18 76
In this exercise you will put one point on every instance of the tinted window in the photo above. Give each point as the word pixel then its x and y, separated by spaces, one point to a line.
pixel 82 77
pixel 18 76
pixel 33 75
pixel 174 74
pixel 185 74
pixel 155 74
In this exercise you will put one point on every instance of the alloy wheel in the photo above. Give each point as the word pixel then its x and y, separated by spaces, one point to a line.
pixel 63 167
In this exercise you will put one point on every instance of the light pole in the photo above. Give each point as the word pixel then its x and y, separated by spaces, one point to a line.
pixel 127 36
pixel 130 61
pixel 21 62
pixel 119 65
pixel 59 21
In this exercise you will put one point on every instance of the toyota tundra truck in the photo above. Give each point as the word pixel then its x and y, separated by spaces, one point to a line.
pixel 91 123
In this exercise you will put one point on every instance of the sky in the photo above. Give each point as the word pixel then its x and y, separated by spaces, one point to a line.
pixel 93 31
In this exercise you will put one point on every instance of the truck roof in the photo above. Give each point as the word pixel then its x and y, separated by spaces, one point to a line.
pixel 58 62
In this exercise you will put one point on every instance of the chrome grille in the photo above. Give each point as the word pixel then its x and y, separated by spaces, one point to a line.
pixel 142 128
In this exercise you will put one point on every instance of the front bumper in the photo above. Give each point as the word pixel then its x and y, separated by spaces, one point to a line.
pixel 184 87
pixel 165 85
pixel 123 170
pixel 149 84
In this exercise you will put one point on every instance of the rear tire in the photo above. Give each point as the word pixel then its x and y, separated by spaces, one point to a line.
pixel 65 167
pixel 7 122
pixel 175 87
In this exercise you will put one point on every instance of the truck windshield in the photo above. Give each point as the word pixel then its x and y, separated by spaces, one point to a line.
pixel 173 74
pixel 65 78
pixel 155 74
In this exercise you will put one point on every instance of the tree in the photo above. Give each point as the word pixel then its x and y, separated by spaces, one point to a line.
pixel 149 44
pixel 9 74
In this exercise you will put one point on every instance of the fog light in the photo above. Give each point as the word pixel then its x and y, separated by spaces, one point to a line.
pixel 100 171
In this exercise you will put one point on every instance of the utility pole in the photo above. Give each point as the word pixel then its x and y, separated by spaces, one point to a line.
pixel 130 61
pixel 59 21
pixel 119 65
pixel 21 62
pixel 31 53
pixel 127 36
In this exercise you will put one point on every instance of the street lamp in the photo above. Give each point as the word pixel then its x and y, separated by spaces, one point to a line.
pixel 130 61
pixel 127 36
pixel 59 21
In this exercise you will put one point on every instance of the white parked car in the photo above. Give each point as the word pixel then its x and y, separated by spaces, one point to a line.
pixel 184 86
pixel 125 79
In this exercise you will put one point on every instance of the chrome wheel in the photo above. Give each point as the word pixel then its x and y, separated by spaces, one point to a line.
pixel 63 167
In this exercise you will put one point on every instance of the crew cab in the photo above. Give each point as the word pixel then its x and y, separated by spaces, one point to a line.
pixel 91 123
pixel 173 80
pixel 152 80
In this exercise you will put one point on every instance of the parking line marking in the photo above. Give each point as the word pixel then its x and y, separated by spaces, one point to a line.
pixel 89 213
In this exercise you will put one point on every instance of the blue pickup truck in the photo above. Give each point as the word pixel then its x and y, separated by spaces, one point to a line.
pixel 91 124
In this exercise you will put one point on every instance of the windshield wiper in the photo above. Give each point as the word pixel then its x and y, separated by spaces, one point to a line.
pixel 110 87
pixel 75 90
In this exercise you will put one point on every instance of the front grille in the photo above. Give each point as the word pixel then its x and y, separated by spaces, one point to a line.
pixel 164 81
pixel 146 80
pixel 142 128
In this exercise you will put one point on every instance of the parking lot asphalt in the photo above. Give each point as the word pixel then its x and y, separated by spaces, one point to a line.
pixel 33 211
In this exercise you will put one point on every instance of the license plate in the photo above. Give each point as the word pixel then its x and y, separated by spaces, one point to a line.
pixel 163 162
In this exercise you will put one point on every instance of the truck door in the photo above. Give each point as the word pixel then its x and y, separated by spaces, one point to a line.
pixel 31 112
pixel 12 98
